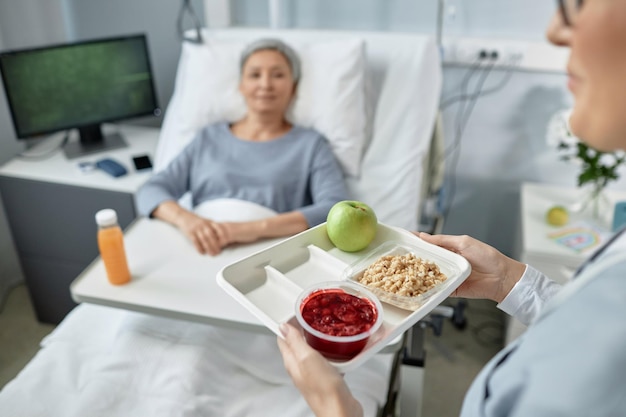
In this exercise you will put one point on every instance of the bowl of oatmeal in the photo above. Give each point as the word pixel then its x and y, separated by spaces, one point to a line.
pixel 402 275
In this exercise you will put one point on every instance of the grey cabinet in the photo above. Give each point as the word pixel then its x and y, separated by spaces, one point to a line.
pixel 50 206
pixel 54 231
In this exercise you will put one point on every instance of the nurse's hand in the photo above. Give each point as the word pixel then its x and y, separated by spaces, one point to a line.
pixel 321 385
pixel 493 273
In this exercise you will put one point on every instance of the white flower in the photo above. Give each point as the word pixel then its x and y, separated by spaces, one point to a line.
pixel 596 167
pixel 608 159
pixel 559 133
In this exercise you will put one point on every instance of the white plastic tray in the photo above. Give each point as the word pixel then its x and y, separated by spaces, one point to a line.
pixel 268 282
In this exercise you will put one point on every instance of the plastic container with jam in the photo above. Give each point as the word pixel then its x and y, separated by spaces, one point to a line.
pixel 338 318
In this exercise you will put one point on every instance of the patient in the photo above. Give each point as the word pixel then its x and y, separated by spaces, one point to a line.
pixel 262 158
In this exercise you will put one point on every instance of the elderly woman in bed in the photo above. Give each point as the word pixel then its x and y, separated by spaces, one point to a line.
pixel 261 158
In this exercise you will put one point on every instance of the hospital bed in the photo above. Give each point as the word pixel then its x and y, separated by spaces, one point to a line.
pixel 380 115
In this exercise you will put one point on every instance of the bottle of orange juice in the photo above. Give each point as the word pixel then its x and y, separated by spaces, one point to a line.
pixel 111 245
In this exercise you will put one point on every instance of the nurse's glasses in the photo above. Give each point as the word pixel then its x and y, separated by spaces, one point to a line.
pixel 569 10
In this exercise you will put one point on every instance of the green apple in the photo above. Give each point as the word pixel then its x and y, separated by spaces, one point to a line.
pixel 351 225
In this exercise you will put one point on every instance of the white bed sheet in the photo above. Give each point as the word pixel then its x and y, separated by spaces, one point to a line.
pixel 103 361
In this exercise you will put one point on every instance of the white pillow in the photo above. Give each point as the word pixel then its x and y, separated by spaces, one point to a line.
pixel 395 162
pixel 330 96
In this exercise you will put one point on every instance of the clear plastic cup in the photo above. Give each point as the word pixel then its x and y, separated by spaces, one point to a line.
pixel 338 317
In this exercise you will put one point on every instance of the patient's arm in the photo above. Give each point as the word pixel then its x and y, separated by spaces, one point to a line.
pixel 211 237
pixel 284 224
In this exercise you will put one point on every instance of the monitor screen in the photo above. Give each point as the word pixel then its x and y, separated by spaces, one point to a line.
pixel 79 86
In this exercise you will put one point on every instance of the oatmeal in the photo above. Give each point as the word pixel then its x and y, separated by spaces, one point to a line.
pixel 405 275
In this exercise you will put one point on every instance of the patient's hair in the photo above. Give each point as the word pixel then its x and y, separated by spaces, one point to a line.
pixel 276 45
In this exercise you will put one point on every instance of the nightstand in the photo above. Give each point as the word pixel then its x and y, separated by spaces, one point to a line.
pixel 50 206
pixel 536 248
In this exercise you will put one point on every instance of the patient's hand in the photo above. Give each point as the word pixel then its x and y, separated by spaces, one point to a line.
pixel 493 273
pixel 283 224
pixel 211 237
pixel 206 235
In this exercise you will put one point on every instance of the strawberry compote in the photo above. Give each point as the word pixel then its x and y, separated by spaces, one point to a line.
pixel 342 320
pixel 338 313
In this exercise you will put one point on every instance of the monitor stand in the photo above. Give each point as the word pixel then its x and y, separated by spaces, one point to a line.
pixel 93 142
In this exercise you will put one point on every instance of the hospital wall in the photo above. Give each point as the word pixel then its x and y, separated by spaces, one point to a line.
pixel 502 146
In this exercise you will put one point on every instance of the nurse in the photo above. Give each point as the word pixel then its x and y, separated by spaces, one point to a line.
pixel 572 359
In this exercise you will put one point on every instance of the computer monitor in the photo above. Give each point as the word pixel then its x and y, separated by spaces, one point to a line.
pixel 79 85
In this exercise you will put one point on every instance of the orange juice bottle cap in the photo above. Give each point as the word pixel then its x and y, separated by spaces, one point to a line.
pixel 106 217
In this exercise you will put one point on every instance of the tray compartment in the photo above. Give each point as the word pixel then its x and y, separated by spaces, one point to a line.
pixel 275 297
pixel 319 267
pixel 269 282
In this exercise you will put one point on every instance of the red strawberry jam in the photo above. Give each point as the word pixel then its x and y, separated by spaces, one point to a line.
pixel 337 313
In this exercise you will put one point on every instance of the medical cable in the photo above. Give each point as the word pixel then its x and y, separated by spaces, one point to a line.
pixel 477 64
pixel 47 154
pixel 509 70
pixel 438 161
pixel 463 86
pixel 472 103
pixel 462 118
pixel 463 112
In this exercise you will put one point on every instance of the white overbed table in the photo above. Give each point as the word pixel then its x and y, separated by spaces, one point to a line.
pixel 169 278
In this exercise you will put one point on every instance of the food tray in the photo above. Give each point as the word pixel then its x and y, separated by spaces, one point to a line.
pixel 268 282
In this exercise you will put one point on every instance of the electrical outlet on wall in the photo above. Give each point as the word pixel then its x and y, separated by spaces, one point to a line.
pixel 466 51
pixel 507 53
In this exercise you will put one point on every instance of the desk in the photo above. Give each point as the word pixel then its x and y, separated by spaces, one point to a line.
pixel 170 278
pixel 50 207
pixel 554 260
pixel 544 254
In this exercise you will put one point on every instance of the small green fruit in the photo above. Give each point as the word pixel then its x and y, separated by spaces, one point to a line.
pixel 351 225
pixel 557 216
